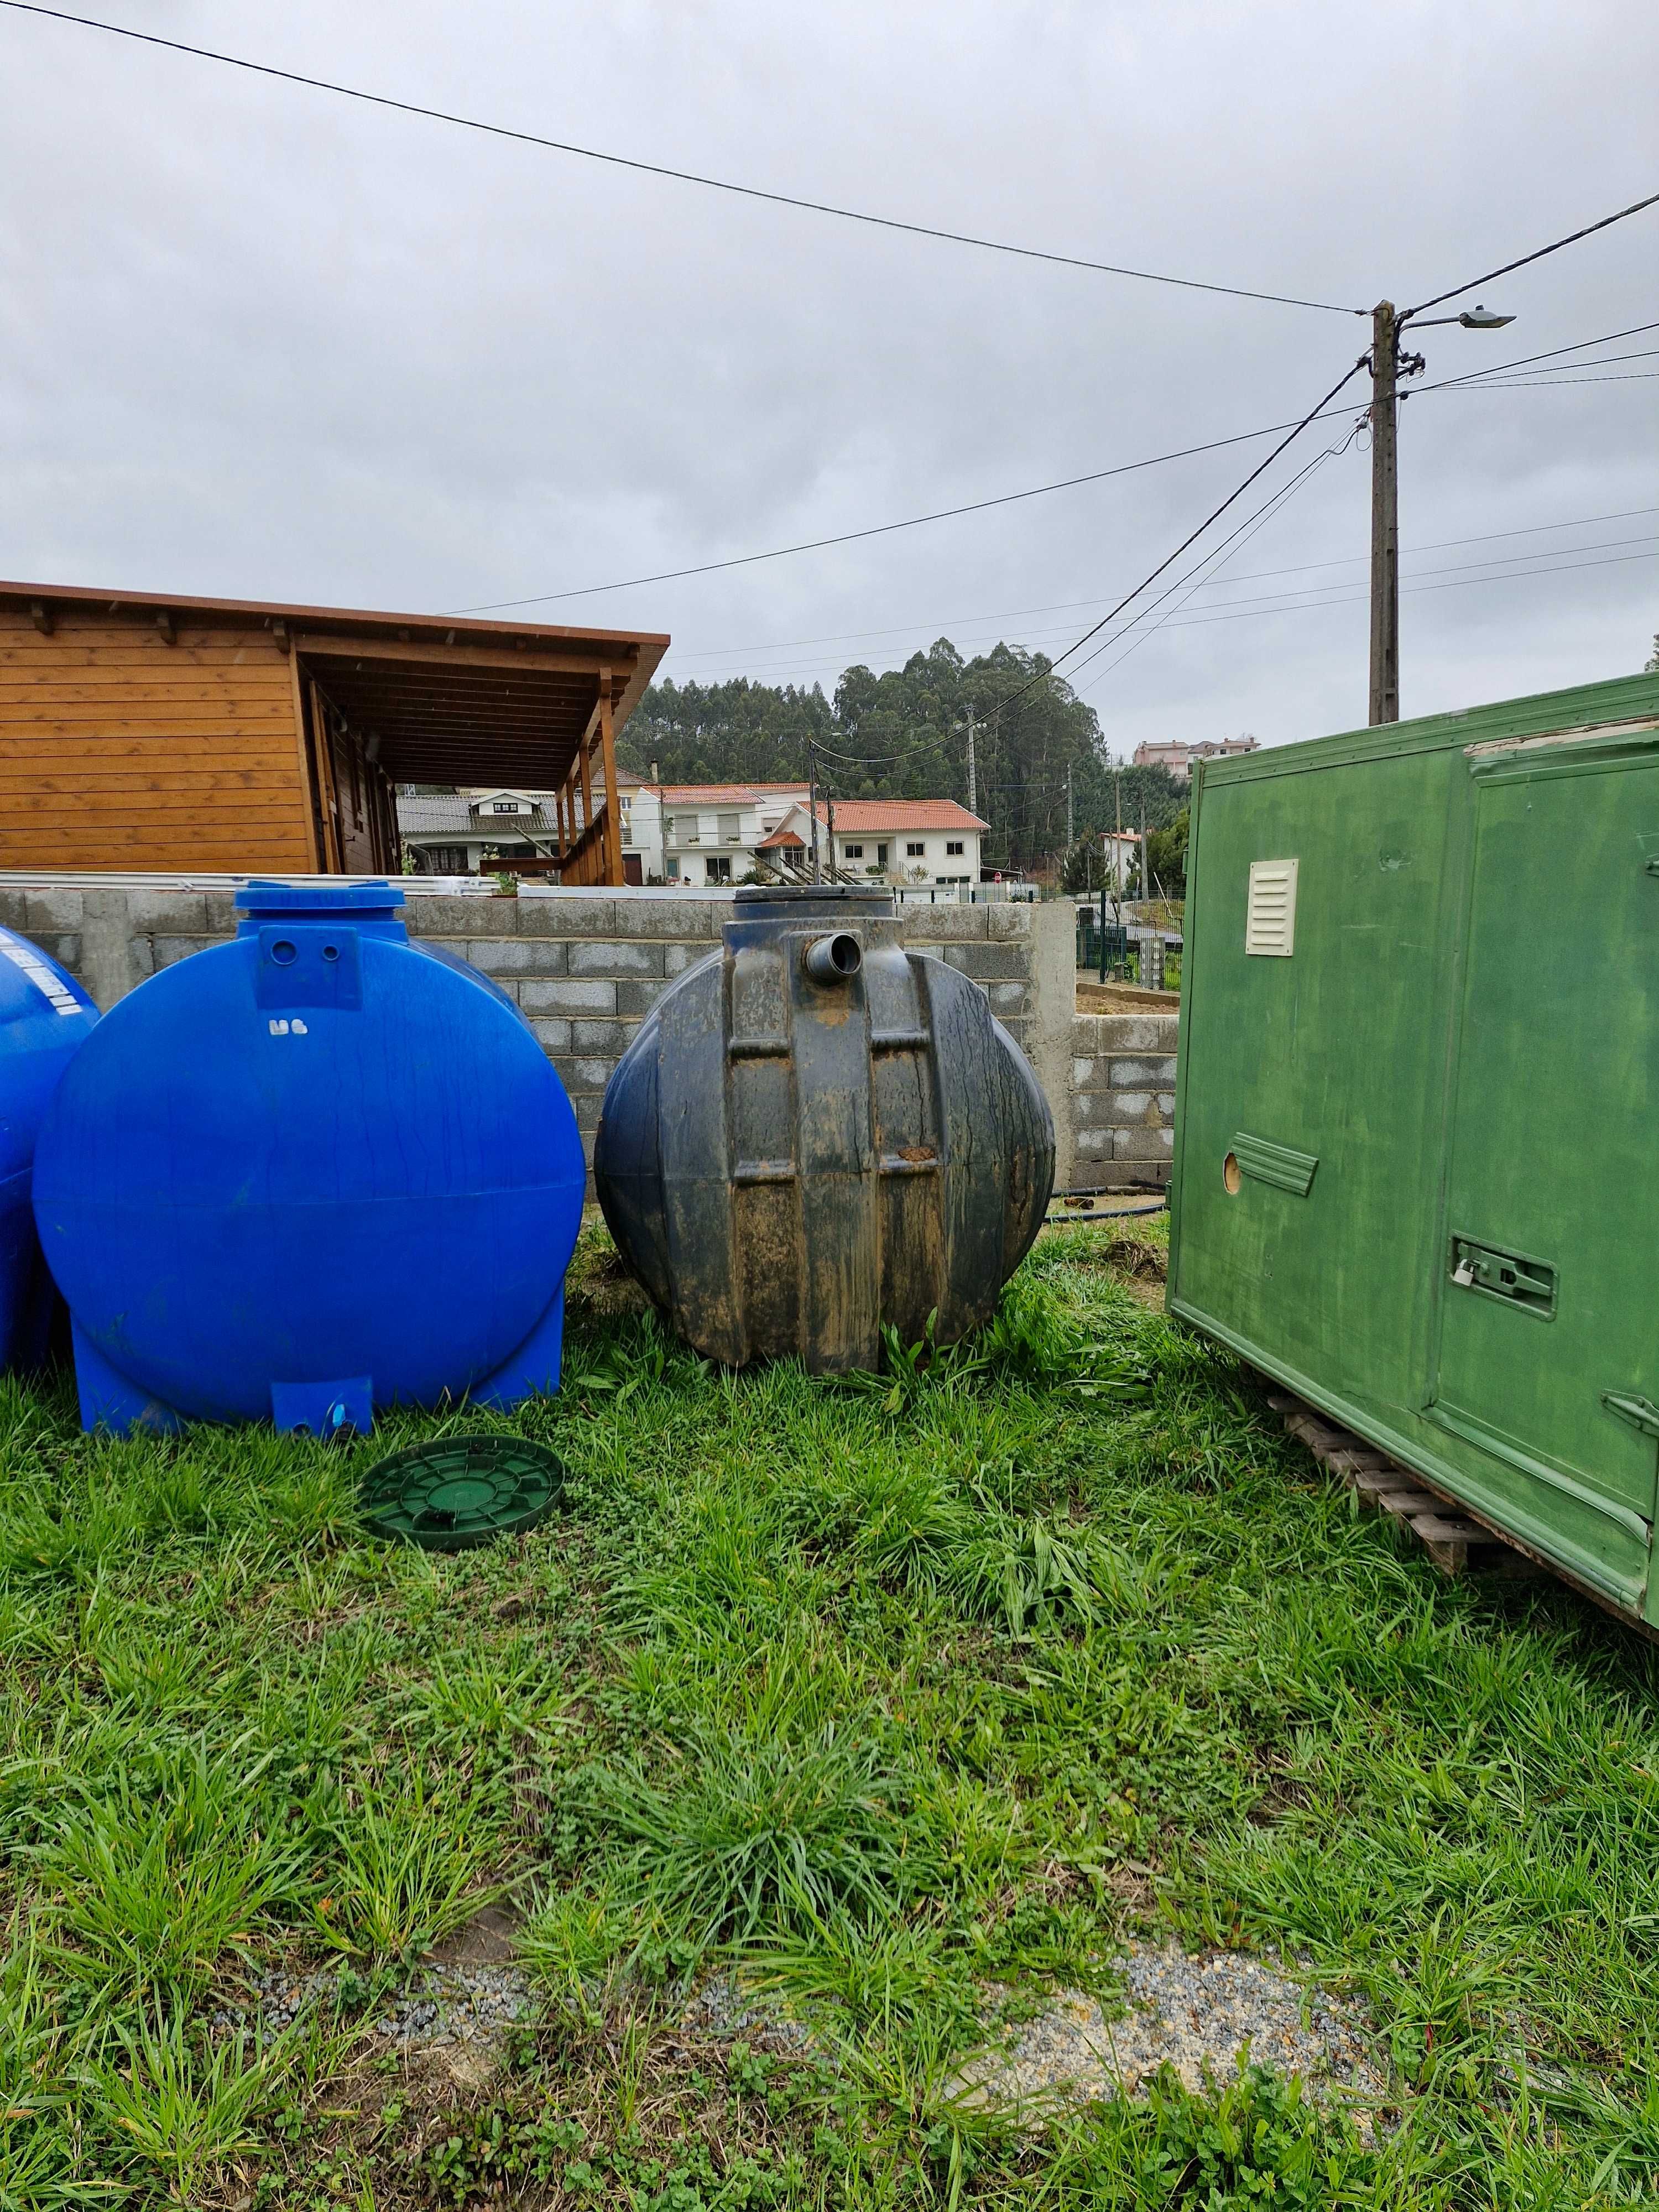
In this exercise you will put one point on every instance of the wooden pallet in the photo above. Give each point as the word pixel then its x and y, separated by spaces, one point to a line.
pixel 1382 1485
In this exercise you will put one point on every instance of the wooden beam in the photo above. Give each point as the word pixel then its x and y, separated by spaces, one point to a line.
pixel 42 617
pixel 306 792
pixel 529 659
pixel 168 629
pixel 613 853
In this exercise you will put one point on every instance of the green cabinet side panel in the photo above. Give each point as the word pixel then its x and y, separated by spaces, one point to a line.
pixel 1465 1039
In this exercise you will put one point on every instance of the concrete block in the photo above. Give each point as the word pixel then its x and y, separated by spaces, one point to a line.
pixel 554 1036
pixel 1128 1106
pixel 171 950
pixel 517 956
pixel 1143 1074
pixel 610 1037
pixel 942 925
pixel 674 914
pixel 61 946
pixel 180 913
pixel 987 964
pixel 614 957
pixel 1010 918
pixel 1137 1033
pixel 678 958
pixel 579 1075
pixel 1006 998
pixel 635 1000
pixel 1093 1143
pixel 13 909
pixel 1085 1035
pixel 52 910
pixel 565 914
pixel 1142 1144
pixel 548 994
pixel 587 1107
pixel 220 918
pixel 457 914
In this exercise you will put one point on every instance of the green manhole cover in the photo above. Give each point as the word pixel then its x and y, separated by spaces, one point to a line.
pixel 464 1491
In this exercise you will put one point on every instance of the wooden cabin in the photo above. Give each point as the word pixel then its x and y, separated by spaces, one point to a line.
pixel 138 731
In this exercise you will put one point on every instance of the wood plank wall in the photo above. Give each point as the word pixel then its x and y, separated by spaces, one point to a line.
pixel 119 750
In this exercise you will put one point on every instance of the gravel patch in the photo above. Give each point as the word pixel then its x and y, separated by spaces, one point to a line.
pixel 728 2013
pixel 436 2004
pixel 1198 2015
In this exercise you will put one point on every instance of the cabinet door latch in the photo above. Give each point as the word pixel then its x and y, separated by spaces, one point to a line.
pixel 1641 1413
pixel 1507 1275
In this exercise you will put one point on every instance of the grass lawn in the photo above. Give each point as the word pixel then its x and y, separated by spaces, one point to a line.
pixel 907 1702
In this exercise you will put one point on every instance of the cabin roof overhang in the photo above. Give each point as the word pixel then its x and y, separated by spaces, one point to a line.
pixel 452 699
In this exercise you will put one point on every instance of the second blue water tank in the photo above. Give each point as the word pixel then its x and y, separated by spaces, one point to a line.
pixel 45 1018
pixel 307 1174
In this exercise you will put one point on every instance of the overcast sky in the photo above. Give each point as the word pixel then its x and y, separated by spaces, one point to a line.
pixel 263 341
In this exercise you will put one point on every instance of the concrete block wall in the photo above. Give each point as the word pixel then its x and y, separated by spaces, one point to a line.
pixel 1122 1085
pixel 585 968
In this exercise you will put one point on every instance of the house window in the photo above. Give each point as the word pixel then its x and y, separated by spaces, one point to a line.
pixel 627 822
pixel 852 852
pixel 673 867
pixel 914 851
pixel 504 806
pixel 730 829
pixel 953 849
pixel 718 865
pixel 686 828
pixel 446 860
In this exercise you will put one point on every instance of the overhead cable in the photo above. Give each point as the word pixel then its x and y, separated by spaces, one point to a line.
pixel 662 169
pixel 1525 259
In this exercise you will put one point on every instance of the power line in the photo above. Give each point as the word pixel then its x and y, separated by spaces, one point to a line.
pixel 1240 532
pixel 1524 261
pixel 661 169
pixel 878 529
pixel 1529 360
pixel 1299 602
pixel 1545 383
pixel 939 624
pixel 915 521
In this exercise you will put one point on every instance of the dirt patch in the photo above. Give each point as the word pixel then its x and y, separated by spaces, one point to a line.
pixel 1199 2015
pixel 1125 999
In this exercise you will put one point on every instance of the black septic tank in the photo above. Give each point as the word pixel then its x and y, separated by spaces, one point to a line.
pixel 817 1132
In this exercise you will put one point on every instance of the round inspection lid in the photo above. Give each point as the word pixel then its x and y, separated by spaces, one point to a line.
pixel 461 1491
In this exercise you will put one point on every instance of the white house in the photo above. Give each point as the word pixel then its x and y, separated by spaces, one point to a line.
pixel 470 833
pixel 893 841
pixel 1120 852
pixel 706 832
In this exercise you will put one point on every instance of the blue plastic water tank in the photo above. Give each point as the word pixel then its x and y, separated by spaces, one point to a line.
pixel 307 1174
pixel 45 1018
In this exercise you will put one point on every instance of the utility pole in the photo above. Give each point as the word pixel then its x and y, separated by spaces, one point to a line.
pixel 1384 705
pixel 973 790
pixel 830 812
pixel 1387 366
pixel 1070 836
pixel 813 807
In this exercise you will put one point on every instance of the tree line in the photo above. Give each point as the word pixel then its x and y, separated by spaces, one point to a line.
pixel 903 734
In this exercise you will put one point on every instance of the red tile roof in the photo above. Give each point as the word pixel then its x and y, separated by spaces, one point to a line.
pixel 721 794
pixel 781 835
pixel 871 815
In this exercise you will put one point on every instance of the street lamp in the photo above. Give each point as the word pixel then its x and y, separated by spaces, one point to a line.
pixel 1388 365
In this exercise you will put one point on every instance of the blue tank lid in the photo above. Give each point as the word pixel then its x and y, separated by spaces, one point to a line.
pixel 262 895
pixel 374 908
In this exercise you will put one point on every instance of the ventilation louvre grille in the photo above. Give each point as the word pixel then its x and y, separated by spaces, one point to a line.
pixel 1270 917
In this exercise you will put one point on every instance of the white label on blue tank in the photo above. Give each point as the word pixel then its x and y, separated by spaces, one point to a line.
pixel 295 1028
pixel 23 955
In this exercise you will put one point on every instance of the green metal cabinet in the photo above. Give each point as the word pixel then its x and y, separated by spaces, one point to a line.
pixel 1418 1103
